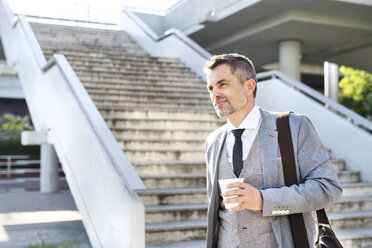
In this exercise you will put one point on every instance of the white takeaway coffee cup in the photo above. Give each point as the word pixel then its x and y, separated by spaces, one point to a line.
pixel 223 183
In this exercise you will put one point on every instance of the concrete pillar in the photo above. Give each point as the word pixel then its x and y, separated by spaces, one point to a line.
pixel 331 80
pixel 290 58
pixel 48 169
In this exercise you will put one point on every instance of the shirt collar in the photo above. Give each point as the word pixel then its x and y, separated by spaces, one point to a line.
pixel 251 121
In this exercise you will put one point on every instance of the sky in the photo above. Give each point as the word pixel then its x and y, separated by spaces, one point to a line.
pixel 93 10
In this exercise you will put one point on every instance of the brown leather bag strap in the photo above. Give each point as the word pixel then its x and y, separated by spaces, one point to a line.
pixel 290 177
pixel 322 217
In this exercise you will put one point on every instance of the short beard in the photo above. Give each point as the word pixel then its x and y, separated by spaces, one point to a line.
pixel 230 109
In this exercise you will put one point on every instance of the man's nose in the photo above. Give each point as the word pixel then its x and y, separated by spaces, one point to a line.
pixel 215 94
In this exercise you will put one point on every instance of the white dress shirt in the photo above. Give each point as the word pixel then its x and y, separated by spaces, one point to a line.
pixel 251 124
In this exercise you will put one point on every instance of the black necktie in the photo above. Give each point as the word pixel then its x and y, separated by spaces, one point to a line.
pixel 238 151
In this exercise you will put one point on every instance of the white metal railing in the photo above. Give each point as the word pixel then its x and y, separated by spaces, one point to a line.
pixel 336 107
pixel 16 160
pixel 32 41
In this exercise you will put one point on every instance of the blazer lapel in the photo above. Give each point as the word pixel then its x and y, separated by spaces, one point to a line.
pixel 269 149
pixel 218 147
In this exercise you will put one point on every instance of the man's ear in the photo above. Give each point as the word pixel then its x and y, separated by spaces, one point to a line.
pixel 250 85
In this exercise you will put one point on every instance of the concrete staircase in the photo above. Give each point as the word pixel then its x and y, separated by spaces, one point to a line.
pixel 160 113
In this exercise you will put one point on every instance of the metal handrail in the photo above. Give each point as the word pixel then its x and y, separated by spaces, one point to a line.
pixel 32 41
pixel 15 156
pixel 10 161
pixel 336 107
pixel 175 32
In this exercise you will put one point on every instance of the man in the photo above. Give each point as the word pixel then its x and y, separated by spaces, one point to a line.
pixel 264 203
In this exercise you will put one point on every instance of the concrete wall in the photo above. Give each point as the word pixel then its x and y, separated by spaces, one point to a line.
pixel 195 12
pixel 344 139
pixel 155 22
pixel 10 87
pixel 171 46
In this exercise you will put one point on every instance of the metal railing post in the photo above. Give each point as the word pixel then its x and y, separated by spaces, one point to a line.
pixel 9 166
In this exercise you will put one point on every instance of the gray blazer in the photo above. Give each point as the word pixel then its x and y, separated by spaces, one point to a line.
pixel 319 186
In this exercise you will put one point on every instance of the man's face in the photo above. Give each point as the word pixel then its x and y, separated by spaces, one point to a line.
pixel 227 94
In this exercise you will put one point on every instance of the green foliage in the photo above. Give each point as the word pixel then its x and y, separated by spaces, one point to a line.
pixel 356 91
pixel 13 146
pixel 11 126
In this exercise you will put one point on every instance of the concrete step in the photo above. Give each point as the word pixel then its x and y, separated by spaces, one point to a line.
pixel 169 231
pixel 182 244
pixel 153 96
pixel 163 125
pixel 110 38
pixel 98 66
pixel 166 102
pixel 96 53
pixel 175 86
pixel 147 106
pixel 158 134
pixel 95 35
pixel 156 105
pixel 86 78
pixel 149 81
pixel 356 189
pixel 142 89
pixel 174 196
pixel 88 75
pixel 160 144
pixel 352 203
pixel 169 166
pixel 134 71
pixel 338 164
pixel 128 64
pixel 198 211
pixel 353 219
pixel 125 59
pixel 82 58
pixel 172 213
pixel 162 102
pixel 175 231
pixel 355 237
pixel 348 176
pixel 183 180
pixel 93 49
pixel 174 181
pixel 156 114
pixel 84 55
pixel 156 154
pixel 83 45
